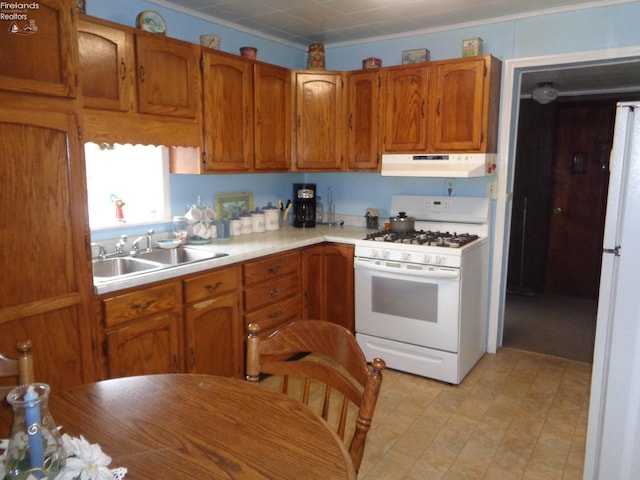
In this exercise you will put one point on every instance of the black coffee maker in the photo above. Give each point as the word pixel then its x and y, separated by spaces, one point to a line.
pixel 304 205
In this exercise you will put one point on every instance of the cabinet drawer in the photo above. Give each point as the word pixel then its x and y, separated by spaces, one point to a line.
pixel 271 267
pixel 271 292
pixel 211 284
pixel 274 315
pixel 130 306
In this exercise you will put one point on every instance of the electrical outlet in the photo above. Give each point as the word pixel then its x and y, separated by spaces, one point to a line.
pixel 492 190
pixel 449 187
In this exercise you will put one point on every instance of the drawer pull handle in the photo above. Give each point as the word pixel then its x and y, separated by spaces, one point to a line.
pixel 144 306
pixel 275 292
pixel 275 314
pixel 216 286
pixel 275 269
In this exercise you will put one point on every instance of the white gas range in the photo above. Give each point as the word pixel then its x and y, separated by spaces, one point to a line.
pixel 421 297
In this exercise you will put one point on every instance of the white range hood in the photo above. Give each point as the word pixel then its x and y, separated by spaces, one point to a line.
pixel 445 165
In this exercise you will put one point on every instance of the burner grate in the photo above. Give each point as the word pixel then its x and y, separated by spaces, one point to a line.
pixel 421 237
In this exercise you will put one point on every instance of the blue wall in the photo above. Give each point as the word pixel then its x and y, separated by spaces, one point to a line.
pixel 583 30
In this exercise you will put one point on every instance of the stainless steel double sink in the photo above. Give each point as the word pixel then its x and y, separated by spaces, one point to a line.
pixel 105 269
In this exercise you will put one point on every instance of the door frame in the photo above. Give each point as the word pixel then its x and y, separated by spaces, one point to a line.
pixel 507 137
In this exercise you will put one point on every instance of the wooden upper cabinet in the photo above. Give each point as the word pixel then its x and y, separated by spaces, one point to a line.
pixel 362 120
pixel 272 118
pixel 167 76
pixel 228 112
pixel 404 113
pixel 464 100
pixel 40 55
pixel 107 66
pixel 319 129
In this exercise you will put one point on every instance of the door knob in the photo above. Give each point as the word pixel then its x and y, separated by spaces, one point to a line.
pixel 557 211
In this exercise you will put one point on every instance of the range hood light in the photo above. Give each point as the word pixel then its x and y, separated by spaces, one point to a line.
pixel 544 93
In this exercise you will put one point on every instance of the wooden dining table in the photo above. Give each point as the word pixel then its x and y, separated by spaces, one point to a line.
pixel 183 426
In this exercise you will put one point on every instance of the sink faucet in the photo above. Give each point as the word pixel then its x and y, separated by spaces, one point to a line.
pixel 120 244
pixel 135 247
pixel 102 252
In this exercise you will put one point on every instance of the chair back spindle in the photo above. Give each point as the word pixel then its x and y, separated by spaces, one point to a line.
pixel 345 371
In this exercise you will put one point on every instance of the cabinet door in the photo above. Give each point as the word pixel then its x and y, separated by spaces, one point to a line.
pixel 362 127
pixel 214 337
pixel 147 346
pixel 405 91
pixel 107 66
pixel 48 284
pixel 228 113
pixel 319 121
pixel 167 76
pixel 313 294
pixel 38 54
pixel 338 287
pixel 272 120
pixel 458 99
pixel 327 284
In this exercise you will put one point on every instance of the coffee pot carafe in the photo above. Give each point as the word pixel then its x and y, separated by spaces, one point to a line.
pixel 304 205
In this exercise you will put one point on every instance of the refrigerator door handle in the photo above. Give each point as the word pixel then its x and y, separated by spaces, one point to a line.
pixel 615 251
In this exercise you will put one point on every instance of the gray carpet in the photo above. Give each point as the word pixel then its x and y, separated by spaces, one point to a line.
pixel 554 325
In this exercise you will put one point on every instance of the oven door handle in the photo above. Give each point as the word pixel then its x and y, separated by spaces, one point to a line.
pixel 426 272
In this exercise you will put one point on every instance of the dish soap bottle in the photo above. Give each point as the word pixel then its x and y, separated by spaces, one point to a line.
pixel 319 210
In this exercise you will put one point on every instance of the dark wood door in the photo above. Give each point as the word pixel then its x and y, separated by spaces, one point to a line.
pixel 580 178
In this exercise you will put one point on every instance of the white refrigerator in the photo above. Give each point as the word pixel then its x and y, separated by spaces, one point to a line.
pixel 613 437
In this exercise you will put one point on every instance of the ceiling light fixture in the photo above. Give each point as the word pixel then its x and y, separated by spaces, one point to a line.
pixel 544 93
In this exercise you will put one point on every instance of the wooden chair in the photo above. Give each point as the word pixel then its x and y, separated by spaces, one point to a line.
pixel 21 367
pixel 346 370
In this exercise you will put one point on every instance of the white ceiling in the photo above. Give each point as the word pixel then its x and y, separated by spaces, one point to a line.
pixel 301 22
pixel 333 22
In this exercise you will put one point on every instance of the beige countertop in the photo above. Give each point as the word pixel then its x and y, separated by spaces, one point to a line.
pixel 240 249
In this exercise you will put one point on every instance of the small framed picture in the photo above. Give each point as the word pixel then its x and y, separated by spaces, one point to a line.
pixel 229 203
pixel 415 56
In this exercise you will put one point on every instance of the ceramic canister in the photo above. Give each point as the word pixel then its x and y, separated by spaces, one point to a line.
pixel 315 60
pixel 245 224
pixel 258 221
pixel 271 217
pixel 234 227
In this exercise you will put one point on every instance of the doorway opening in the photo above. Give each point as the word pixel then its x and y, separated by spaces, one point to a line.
pixel 557 221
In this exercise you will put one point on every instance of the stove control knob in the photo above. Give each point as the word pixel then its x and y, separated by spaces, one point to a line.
pixel 385 254
pixel 437 259
pixel 375 253
pixel 427 259
pixel 406 256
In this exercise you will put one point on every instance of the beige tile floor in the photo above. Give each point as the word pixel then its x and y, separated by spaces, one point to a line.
pixel 517 415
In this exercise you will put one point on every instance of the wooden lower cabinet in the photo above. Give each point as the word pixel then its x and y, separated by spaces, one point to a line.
pixel 272 290
pixel 143 331
pixel 197 323
pixel 213 324
pixel 327 284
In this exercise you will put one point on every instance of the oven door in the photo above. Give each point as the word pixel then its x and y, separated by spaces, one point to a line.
pixel 406 302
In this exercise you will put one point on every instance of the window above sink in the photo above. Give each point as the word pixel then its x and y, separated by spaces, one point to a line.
pixel 128 181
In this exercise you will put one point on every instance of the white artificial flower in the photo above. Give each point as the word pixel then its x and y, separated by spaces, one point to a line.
pixel 85 461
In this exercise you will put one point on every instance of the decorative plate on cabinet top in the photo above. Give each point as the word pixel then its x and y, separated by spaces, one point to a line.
pixel 151 21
